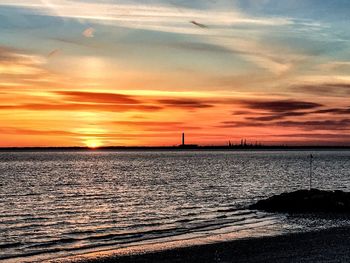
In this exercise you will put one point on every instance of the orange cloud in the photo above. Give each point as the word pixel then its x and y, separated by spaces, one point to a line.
pixel 80 107
pixel 98 97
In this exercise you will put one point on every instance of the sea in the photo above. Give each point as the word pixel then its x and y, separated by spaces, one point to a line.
pixel 57 204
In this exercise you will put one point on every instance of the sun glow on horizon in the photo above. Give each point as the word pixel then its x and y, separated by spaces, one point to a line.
pixel 93 143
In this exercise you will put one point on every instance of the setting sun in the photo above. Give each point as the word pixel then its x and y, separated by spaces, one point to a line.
pixel 92 143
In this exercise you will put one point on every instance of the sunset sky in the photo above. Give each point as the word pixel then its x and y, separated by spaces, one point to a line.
pixel 93 73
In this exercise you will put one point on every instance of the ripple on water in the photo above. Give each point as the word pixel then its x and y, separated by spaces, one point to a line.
pixel 54 203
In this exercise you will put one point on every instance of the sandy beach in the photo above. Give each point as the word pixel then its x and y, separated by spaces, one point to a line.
pixel 331 245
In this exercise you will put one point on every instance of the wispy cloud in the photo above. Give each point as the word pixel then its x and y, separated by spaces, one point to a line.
pixel 313 125
pixel 185 103
pixel 273 110
pixel 22 131
pixel 335 65
pixel 98 97
pixel 217 27
pixel 108 102
pixel 14 62
pixel 280 106
pixel 143 16
pixel 309 125
pixel 24 69
pixel 334 111
pixel 262 113
pixel 278 116
pixel 90 107
pixel 333 89
pixel 159 126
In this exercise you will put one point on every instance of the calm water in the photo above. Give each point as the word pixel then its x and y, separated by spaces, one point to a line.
pixel 60 203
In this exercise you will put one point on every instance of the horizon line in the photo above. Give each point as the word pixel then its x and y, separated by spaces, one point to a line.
pixel 281 146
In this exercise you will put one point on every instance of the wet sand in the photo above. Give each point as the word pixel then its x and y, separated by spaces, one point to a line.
pixel 331 245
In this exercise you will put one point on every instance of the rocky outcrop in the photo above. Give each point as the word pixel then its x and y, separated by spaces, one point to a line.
pixel 306 201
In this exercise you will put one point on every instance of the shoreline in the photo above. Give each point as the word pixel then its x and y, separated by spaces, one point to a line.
pixel 328 245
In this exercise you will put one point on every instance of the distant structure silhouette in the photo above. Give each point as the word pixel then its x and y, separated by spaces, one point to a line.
pixel 244 144
pixel 187 146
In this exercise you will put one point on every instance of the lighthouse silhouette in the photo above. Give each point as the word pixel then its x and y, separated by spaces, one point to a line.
pixel 186 146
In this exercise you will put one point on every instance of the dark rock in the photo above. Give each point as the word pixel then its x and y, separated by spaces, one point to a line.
pixel 306 201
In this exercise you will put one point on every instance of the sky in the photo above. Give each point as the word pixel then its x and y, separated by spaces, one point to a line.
pixel 97 73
